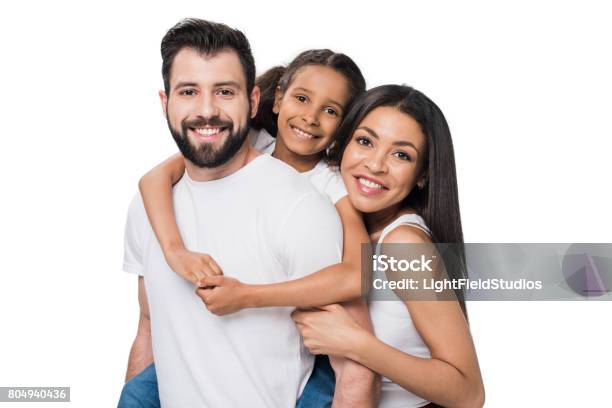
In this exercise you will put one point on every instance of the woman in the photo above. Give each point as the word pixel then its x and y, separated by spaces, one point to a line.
pixel 397 163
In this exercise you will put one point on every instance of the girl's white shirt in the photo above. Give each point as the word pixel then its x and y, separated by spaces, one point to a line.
pixel 325 178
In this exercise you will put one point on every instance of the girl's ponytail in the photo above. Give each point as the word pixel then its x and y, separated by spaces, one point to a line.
pixel 268 84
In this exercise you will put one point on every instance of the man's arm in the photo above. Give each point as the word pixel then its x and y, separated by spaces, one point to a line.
pixel 141 353
pixel 356 385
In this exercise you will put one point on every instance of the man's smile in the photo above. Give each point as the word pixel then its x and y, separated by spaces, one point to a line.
pixel 207 133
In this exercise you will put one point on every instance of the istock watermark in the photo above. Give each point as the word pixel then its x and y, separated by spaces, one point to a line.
pixel 487 271
pixel 382 263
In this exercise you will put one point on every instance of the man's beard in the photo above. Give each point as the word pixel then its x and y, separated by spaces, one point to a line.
pixel 205 155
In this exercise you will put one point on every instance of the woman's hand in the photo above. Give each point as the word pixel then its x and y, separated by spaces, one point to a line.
pixel 222 294
pixel 193 266
pixel 328 330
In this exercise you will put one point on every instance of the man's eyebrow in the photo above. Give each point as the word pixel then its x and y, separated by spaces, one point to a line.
pixel 397 143
pixel 228 83
pixel 216 84
pixel 309 91
pixel 184 84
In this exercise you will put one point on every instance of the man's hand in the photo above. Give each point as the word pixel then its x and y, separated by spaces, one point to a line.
pixel 193 266
pixel 222 294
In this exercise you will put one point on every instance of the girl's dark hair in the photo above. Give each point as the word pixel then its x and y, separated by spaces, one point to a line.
pixel 438 201
pixel 281 77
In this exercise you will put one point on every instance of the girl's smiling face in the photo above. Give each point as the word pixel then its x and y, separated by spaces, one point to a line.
pixel 311 109
pixel 384 160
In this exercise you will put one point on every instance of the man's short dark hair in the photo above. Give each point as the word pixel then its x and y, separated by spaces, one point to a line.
pixel 208 38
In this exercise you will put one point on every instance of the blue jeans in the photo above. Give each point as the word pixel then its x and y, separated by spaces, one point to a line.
pixel 141 390
pixel 319 390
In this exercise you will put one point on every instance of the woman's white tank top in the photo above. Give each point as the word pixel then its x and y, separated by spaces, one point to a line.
pixel 393 325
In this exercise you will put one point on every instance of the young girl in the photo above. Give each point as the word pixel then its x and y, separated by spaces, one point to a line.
pixel 302 105
pixel 398 165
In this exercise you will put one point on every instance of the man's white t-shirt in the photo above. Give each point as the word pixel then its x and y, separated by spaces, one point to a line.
pixel 263 224
pixel 325 179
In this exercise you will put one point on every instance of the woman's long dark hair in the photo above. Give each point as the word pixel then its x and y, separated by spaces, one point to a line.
pixel 281 77
pixel 438 201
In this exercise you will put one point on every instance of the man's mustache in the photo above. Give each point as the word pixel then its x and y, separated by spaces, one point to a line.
pixel 201 122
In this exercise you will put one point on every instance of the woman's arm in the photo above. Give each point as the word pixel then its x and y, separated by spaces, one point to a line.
pixel 156 190
pixel 336 283
pixel 451 377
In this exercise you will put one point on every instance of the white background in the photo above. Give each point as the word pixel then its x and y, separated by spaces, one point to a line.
pixel 526 89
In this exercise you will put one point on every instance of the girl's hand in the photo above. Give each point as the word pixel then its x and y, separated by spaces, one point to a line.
pixel 193 266
pixel 222 294
pixel 328 330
